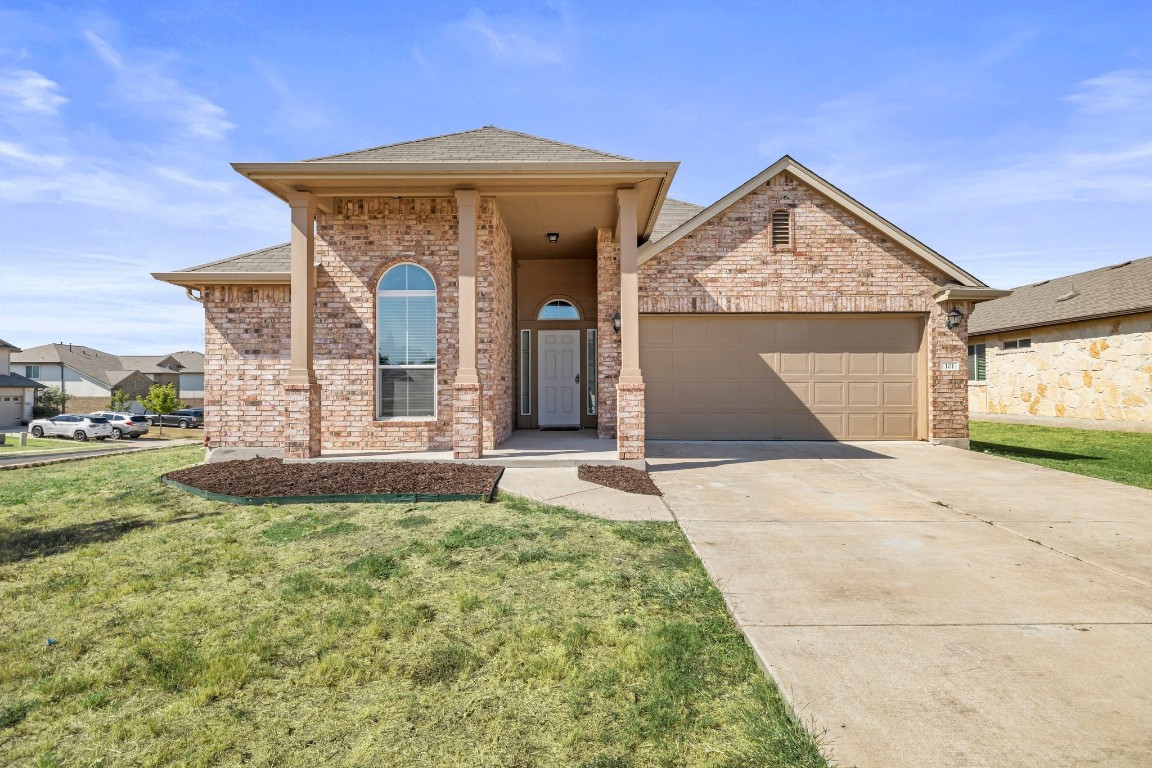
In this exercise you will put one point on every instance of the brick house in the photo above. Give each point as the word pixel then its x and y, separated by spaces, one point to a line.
pixel 438 294
pixel 1074 347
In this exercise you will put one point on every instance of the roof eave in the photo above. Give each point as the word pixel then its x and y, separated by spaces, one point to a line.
pixel 786 163
pixel 969 293
pixel 201 279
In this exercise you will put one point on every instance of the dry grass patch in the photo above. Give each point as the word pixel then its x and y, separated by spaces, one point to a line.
pixel 191 633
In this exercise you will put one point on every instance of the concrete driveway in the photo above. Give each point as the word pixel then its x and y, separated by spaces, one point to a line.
pixel 928 606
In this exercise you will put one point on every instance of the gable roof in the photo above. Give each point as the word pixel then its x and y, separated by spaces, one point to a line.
pixel 672 214
pixel 16 380
pixel 786 163
pixel 104 367
pixel 1121 289
pixel 275 258
pixel 9 347
pixel 481 145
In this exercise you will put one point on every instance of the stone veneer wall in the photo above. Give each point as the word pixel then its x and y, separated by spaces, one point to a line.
pixel 607 340
pixel 355 245
pixel 1094 369
pixel 836 263
pixel 246 359
pixel 495 324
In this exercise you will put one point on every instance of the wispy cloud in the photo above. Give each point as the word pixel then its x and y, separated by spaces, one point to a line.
pixel 514 40
pixel 1123 89
pixel 142 85
pixel 30 91
pixel 10 149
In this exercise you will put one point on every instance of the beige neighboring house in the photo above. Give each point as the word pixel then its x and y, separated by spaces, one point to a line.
pixel 17 393
pixel 438 294
pixel 89 375
pixel 1075 347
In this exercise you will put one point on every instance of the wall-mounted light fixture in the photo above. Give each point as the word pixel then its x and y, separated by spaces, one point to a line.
pixel 616 322
pixel 553 238
pixel 954 319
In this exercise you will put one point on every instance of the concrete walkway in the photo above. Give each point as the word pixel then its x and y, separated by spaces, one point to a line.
pixel 561 486
pixel 927 606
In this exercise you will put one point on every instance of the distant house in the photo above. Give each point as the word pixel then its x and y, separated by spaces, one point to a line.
pixel 89 376
pixel 1076 347
pixel 17 393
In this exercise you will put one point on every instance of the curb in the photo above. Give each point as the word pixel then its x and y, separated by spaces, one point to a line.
pixel 60 459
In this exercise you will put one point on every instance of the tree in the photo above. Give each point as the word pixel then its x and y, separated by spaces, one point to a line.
pixel 161 400
pixel 119 401
pixel 50 402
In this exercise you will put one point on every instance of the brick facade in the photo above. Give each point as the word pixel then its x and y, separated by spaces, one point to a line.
pixel 835 263
pixel 495 324
pixel 468 433
pixel 607 339
pixel 630 421
pixel 245 361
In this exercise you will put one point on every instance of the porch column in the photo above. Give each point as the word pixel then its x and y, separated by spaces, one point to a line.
pixel 630 389
pixel 301 392
pixel 466 406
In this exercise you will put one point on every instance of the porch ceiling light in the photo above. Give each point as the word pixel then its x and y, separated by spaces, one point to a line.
pixel 616 322
pixel 954 318
pixel 553 237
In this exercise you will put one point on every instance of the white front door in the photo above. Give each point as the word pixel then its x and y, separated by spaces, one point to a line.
pixel 559 378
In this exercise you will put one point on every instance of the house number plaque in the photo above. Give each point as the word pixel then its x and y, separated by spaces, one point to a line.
pixel 949 365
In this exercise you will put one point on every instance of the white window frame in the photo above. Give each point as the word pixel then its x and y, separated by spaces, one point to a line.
pixel 1018 343
pixel 32 371
pixel 974 368
pixel 436 340
pixel 525 372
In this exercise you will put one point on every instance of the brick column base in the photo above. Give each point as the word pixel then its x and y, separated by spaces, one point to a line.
pixel 466 427
pixel 301 421
pixel 630 421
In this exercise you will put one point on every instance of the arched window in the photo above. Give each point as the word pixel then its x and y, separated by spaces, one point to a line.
pixel 781 228
pixel 558 309
pixel 406 343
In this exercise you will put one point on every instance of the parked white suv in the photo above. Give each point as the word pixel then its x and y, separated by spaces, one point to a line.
pixel 74 425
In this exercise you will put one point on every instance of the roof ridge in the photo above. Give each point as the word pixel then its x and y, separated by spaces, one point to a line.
pixel 505 131
pixel 398 144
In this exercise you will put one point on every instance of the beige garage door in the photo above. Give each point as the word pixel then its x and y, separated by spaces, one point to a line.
pixel 781 377
pixel 11 410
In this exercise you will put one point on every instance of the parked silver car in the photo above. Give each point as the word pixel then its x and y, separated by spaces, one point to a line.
pixel 124 423
pixel 77 426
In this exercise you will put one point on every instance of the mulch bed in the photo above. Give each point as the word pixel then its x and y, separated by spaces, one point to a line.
pixel 257 478
pixel 624 479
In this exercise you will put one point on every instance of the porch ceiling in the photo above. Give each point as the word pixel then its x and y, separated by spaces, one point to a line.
pixel 572 199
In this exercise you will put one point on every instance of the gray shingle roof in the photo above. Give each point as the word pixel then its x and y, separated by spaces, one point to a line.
pixel 16 380
pixel 482 145
pixel 672 214
pixel 276 258
pixel 1117 290
pixel 9 347
pixel 104 367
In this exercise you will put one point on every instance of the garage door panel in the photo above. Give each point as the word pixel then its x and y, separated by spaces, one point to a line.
pixel 796 377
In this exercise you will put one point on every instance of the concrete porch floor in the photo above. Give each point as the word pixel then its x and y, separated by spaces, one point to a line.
pixel 526 448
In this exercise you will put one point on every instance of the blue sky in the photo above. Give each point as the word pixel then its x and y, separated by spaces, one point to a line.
pixel 1014 138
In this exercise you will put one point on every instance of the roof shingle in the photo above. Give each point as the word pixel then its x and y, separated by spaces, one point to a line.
pixel 482 145
pixel 1117 290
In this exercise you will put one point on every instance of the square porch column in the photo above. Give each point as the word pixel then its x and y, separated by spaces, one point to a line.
pixel 630 389
pixel 301 391
pixel 467 418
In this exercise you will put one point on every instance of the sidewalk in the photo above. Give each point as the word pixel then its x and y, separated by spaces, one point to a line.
pixel 43 458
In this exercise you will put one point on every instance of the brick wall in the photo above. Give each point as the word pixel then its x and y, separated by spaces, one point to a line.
pixel 607 340
pixel 245 361
pixel 495 324
pixel 1095 369
pixel 835 263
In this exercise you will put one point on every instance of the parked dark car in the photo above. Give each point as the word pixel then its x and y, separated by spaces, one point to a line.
pixel 124 424
pixel 184 418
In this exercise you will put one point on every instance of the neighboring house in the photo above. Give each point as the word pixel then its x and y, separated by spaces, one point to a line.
pixel 440 293
pixel 1077 347
pixel 89 376
pixel 17 393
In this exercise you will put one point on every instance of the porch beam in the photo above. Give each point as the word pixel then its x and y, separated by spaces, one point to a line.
pixel 303 281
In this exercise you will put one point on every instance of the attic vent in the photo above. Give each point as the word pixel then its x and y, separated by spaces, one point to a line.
pixel 1117 266
pixel 781 228
pixel 1042 282
pixel 1067 296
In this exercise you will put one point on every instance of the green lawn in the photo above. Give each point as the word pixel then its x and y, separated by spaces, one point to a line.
pixel 146 627
pixel 1123 457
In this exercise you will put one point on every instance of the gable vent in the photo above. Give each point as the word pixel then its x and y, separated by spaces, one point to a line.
pixel 781 228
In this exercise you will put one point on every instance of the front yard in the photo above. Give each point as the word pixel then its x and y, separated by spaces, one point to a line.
pixel 1123 457
pixel 143 626
pixel 62 444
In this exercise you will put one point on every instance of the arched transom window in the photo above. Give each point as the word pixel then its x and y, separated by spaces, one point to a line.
pixel 558 309
pixel 406 343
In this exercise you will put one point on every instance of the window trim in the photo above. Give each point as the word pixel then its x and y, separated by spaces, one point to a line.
pixel 1019 343
pixel 435 338
pixel 525 372
pixel 591 396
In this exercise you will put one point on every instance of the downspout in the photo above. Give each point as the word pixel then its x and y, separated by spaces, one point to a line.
pixel 188 292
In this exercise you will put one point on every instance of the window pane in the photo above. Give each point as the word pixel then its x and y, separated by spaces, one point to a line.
pixel 407 392
pixel 406 330
pixel 407 277
pixel 525 373
pixel 558 310
pixel 591 373
pixel 1025 343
